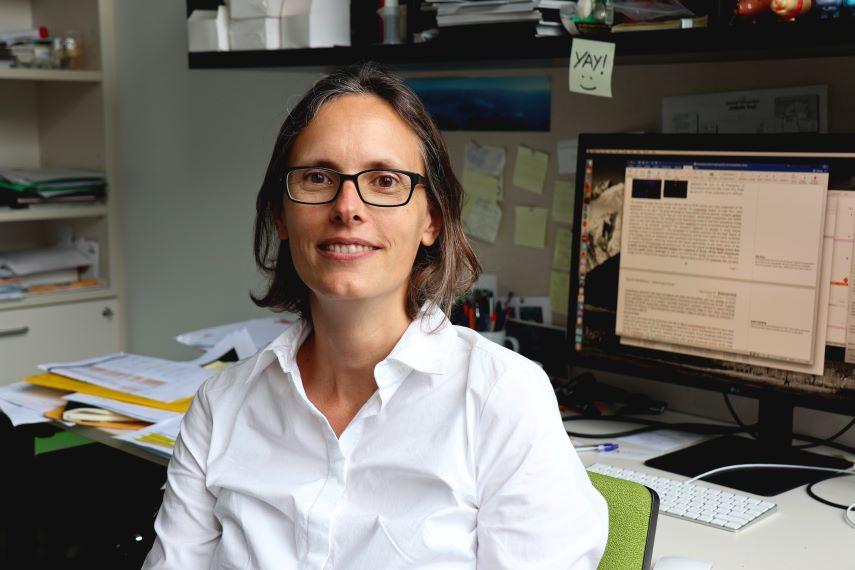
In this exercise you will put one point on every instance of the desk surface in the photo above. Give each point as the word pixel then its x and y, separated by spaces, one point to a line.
pixel 105 436
pixel 801 534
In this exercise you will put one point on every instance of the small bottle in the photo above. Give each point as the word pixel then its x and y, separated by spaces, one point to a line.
pixel 58 55
pixel 73 53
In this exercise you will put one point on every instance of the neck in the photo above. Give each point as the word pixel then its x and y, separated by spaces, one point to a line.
pixel 348 340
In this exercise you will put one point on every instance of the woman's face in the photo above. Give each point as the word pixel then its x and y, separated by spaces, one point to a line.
pixel 352 133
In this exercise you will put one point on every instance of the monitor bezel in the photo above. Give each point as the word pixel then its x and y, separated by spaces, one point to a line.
pixel 818 143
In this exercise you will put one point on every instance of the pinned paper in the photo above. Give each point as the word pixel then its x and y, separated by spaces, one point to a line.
pixel 482 158
pixel 559 291
pixel 482 218
pixel 563 249
pixel 567 151
pixel 591 65
pixel 480 185
pixel 530 226
pixel 530 169
pixel 562 201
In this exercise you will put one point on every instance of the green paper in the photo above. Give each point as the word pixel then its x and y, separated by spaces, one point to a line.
pixel 591 66
pixel 530 226
pixel 563 249
pixel 480 185
pixel 559 291
pixel 530 169
pixel 562 201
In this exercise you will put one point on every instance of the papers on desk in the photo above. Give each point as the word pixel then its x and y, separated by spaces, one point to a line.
pixel 261 331
pixel 239 341
pixel 144 413
pixel 159 437
pixel 643 446
pixel 25 403
pixel 145 376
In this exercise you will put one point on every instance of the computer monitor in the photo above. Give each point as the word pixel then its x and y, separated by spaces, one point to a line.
pixel 721 262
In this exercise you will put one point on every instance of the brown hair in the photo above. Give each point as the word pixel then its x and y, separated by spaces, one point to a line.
pixel 440 272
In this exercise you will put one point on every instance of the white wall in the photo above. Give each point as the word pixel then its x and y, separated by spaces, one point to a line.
pixel 194 145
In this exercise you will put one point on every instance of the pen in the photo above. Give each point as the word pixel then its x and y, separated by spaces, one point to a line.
pixel 598 447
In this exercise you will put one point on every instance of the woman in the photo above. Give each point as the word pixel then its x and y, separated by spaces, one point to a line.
pixel 373 434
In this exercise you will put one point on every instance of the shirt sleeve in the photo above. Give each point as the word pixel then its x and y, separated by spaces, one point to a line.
pixel 537 507
pixel 187 530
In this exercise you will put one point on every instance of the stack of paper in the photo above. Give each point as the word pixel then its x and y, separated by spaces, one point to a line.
pixel 479 12
pixel 35 269
pixel 275 24
pixel 21 187
pixel 24 403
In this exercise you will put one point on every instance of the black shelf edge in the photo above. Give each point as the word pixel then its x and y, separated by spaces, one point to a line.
pixel 808 39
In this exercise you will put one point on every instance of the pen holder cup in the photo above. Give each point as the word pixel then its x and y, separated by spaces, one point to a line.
pixel 501 337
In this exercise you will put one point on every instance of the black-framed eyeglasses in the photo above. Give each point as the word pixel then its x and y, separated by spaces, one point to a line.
pixel 386 188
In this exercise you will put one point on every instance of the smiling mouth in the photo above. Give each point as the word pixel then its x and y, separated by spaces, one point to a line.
pixel 588 88
pixel 349 248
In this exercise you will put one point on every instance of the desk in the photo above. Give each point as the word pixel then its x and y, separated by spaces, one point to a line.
pixel 801 534
pixel 105 436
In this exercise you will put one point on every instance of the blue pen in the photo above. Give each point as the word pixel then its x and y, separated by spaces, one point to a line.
pixel 598 447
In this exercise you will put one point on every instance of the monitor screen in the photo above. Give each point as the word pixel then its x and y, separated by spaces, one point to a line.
pixel 721 262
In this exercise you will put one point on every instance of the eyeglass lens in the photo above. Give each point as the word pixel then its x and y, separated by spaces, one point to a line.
pixel 317 185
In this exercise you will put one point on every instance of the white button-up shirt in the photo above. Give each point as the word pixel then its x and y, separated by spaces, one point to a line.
pixel 458 460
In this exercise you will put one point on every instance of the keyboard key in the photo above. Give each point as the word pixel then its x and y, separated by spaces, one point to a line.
pixel 696 502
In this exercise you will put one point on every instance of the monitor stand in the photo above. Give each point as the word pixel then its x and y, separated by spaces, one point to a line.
pixel 774 445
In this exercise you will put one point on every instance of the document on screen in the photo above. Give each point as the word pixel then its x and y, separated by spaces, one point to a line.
pixel 724 257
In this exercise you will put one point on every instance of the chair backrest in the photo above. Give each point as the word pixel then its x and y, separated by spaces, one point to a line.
pixel 633 510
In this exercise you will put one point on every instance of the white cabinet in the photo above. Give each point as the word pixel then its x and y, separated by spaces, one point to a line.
pixel 62 118
pixel 52 333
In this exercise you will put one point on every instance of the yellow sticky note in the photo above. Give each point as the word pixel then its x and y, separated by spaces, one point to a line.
pixel 591 66
pixel 480 185
pixel 530 169
pixel 563 249
pixel 559 291
pixel 530 226
pixel 562 201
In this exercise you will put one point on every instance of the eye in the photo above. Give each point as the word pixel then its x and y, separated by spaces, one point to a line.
pixel 385 180
pixel 316 177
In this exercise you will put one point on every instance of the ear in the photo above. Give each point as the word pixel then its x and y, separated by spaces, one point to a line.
pixel 433 227
pixel 281 230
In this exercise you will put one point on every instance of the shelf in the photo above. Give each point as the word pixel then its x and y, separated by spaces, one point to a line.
pixel 50 74
pixel 771 41
pixel 52 212
pixel 54 298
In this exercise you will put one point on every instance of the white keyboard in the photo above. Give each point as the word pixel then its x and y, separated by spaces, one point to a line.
pixel 692 502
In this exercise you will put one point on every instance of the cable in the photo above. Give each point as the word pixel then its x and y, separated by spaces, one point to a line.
pixel 814 442
pixel 652 425
pixel 768 466
pixel 848 516
pixel 827 440
pixel 809 490
pixel 735 416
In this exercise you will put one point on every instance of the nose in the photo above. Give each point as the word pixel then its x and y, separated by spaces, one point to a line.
pixel 348 206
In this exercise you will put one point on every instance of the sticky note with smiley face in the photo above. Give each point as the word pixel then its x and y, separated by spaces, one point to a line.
pixel 591 65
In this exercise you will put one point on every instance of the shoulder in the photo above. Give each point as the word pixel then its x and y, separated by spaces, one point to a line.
pixel 499 378
pixel 227 387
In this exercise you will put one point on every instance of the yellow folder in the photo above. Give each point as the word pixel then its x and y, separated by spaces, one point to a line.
pixel 62 383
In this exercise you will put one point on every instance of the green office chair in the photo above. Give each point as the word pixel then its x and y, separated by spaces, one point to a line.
pixel 633 509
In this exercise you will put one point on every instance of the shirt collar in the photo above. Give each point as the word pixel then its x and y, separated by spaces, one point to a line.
pixel 423 347
pixel 284 348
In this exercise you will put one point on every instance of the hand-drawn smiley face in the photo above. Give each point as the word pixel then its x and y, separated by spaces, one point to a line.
pixel 589 79
pixel 587 66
